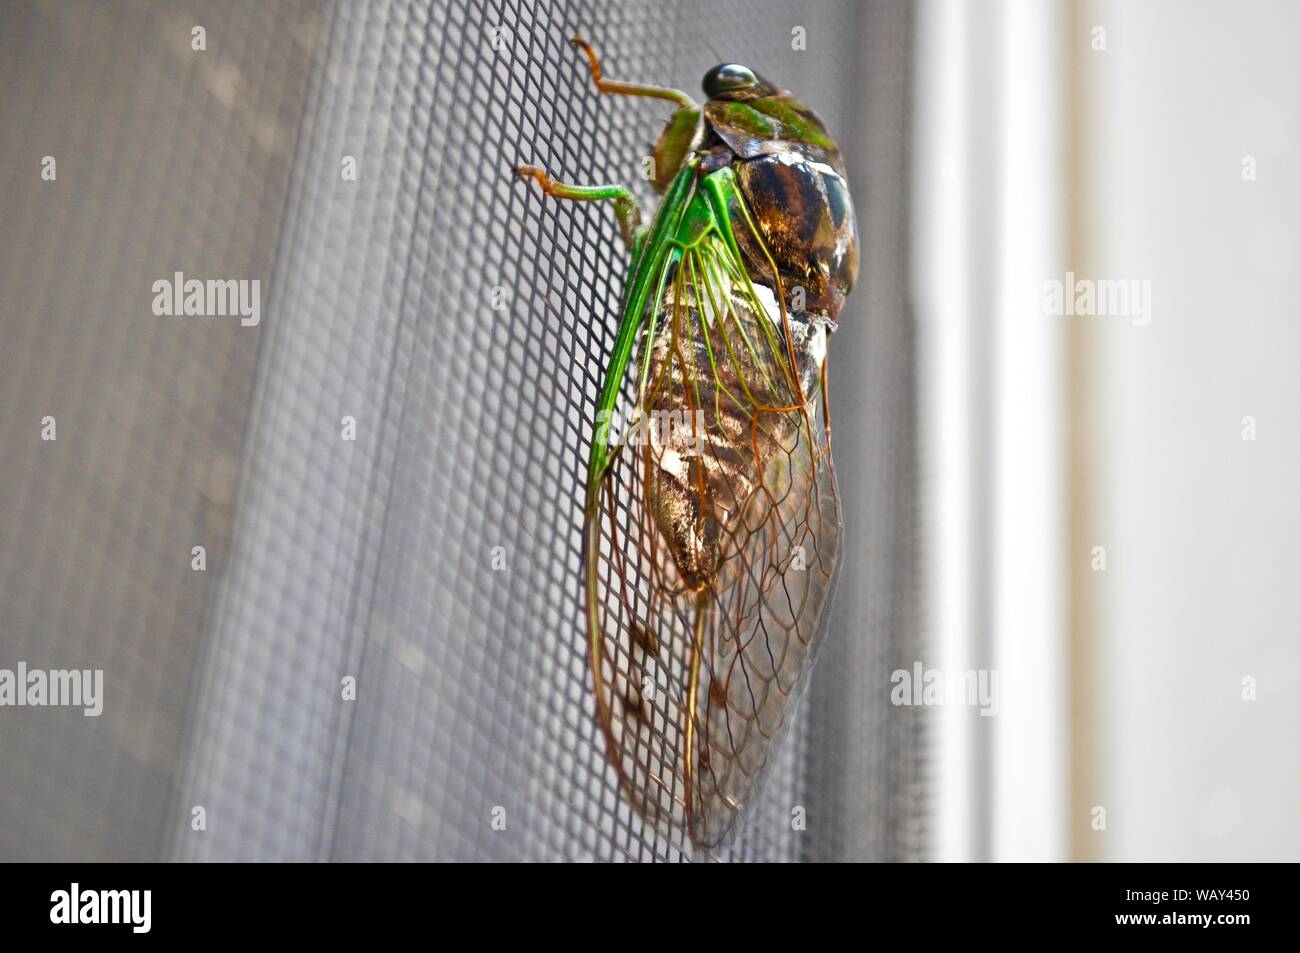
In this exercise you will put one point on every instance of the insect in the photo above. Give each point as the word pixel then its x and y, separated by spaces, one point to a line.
pixel 712 519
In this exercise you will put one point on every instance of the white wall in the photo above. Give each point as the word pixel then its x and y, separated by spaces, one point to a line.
pixel 1201 527
pixel 1046 435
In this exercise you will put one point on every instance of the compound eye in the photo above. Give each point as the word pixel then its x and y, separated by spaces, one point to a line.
pixel 728 78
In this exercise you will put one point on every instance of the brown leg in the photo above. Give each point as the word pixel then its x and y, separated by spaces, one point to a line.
pixel 627 89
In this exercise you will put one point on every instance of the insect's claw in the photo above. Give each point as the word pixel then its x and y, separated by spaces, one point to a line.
pixel 593 61
pixel 529 172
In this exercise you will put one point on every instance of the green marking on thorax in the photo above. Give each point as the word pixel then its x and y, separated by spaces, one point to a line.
pixel 745 117
pixel 797 126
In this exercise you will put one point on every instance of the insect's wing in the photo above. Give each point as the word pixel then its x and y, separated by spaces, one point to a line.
pixel 694 680
pixel 641 649
pixel 763 626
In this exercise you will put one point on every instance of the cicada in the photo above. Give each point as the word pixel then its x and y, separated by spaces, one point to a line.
pixel 712 520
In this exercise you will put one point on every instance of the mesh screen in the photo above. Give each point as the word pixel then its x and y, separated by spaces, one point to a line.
pixel 164 159
pixel 463 323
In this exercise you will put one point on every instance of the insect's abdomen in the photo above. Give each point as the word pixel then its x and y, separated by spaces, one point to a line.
pixel 722 411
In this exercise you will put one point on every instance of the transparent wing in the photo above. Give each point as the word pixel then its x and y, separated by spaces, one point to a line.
pixel 711 543
pixel 761 629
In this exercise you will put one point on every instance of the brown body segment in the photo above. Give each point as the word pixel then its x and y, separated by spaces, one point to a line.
pixel 792 177
pixel 803 211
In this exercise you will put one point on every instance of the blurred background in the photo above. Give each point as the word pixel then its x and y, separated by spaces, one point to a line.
pixel 1064 394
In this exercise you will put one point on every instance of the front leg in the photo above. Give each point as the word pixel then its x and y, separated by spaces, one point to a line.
pixel 625 207
pixel 681 134
pixel 616 88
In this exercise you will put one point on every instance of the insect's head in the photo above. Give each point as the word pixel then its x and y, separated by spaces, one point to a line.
pixel 734 82
pixel 751 115
pixel 755 116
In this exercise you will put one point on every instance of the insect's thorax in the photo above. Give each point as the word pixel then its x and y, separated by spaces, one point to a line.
pixel 791 173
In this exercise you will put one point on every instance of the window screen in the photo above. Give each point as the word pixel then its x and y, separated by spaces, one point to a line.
pixel 384 657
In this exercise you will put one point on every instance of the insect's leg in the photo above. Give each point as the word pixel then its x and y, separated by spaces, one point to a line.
pixel 625 207
pixel 627 89
pixel 679 135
